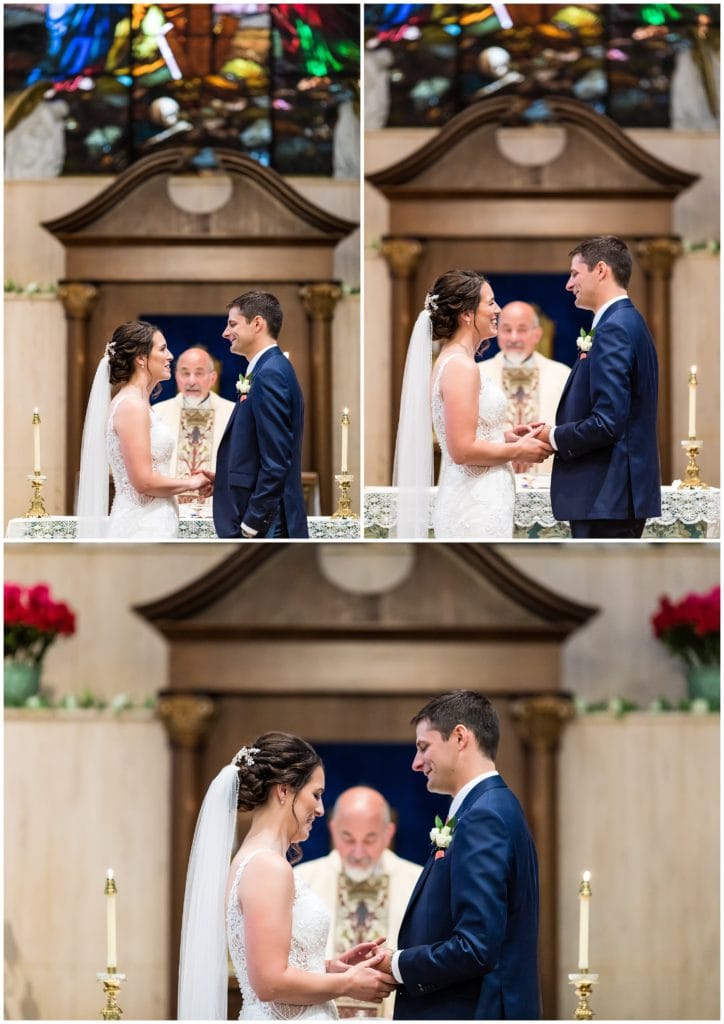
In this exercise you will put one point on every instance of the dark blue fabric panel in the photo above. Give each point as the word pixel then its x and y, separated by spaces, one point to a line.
pixel 182 332
pixel 547 291
pixel 386 767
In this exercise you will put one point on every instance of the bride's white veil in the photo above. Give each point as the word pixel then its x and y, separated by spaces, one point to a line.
pixel 413 468
pixel 203 973
pixel 92 503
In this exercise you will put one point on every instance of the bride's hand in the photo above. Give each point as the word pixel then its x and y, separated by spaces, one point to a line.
pixel 201 483
pixel 531 449
pixel 368 984
pixel 360 952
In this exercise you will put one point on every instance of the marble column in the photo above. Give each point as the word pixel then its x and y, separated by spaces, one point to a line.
pixel 403 258
pixel 78 298
pixel 539 722
pixel 187 718
pixel 657 257
pixel 320 301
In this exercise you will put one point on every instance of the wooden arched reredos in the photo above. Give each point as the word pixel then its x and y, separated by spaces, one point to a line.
pixel 335 665
pixel 134 248
pixel 461 201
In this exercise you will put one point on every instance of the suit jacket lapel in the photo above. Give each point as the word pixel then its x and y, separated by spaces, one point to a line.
pixel 494 782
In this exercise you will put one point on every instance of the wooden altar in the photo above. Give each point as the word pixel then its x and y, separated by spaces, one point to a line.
pixel 337 664
pixel 147 243
pixel 462 200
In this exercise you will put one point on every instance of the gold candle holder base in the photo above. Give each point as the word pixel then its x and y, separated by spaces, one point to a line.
pixel 37 505
pixel 691 475
pixel 344 506
pixel 583 984
pixel 111 987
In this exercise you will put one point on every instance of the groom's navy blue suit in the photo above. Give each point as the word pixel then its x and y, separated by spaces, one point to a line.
pixel 469 937
pixel 259 461
pixel 607 463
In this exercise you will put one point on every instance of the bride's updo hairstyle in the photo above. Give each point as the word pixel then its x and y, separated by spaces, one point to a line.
pixel 276 758
pixel 455 292
pixel 130 340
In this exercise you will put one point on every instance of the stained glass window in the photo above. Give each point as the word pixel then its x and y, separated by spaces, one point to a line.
pixel 268 80
pixel 620 59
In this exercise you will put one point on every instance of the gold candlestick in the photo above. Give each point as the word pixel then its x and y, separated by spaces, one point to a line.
pixel 344 507
pixel 583 983
pixel 691 474
pixel 111 987
pixel 37 505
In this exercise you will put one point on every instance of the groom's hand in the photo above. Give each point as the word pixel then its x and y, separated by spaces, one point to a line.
pixel 385 963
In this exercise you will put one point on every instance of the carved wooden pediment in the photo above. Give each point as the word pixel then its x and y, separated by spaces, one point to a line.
pixel 460 608
pixel 261 206
pixel 262 229
pixel 464 159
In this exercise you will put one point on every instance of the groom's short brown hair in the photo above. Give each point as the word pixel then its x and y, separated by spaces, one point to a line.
pixel 463 707
pixel 610 250
pixel 262 304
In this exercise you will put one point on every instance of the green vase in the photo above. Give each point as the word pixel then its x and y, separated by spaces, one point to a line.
pixel 22 680
pixel 705 682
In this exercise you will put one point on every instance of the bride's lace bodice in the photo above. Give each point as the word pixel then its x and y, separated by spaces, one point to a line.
pixel 310 926
pixel 473 502
pixel 134 515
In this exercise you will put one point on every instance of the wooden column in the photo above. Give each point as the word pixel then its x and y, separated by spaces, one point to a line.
pixel 539 722
pixel 657 257
pixel 320 301
pixel 403 258
pixel 78 298
pixel 187 719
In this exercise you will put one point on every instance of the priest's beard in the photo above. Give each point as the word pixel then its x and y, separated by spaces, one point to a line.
pixel 516 358
pixel 360 874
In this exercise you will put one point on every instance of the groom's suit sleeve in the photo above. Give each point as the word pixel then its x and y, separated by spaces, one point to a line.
pixel 610 369
pixel 482 854
pixel 275 438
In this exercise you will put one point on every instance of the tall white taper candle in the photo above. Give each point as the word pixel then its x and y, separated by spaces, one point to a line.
pixel 584 895
pixel 692 402
pixel 110 891
pixel 36 441
pixel 345 440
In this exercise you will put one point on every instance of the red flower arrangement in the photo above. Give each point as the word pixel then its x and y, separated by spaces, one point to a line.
pixel 691 628
pixel 33 620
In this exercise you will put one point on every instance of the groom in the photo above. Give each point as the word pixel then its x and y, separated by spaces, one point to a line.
pixel 258 483
pixel 606 478
pixel 469 938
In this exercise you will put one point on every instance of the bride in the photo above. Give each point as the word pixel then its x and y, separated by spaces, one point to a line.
pixel 476 493
pixel 275 926
pixel 126 433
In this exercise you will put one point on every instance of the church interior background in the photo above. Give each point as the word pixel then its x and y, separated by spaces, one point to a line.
pixel 183 652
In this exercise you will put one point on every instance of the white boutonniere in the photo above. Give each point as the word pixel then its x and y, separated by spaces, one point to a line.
pixel 585 340
pixel 442 835
pixel 243 386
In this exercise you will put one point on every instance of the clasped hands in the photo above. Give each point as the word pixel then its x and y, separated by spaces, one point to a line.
pixel 207 488
pixel 534 440
pixel 371 958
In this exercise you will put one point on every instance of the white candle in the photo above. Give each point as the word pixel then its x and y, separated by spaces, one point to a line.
pixel 345 439
pixel 111 920
pixel 692 402
pixel 286 354
pixel 36 441
pixel 584 896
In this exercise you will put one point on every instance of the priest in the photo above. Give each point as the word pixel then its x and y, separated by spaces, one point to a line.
pixel 532 383
pixel 197 416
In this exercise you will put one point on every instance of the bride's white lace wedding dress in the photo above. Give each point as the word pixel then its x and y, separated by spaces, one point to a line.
pixel 310 926
pixel 137 516
pixel 473 502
